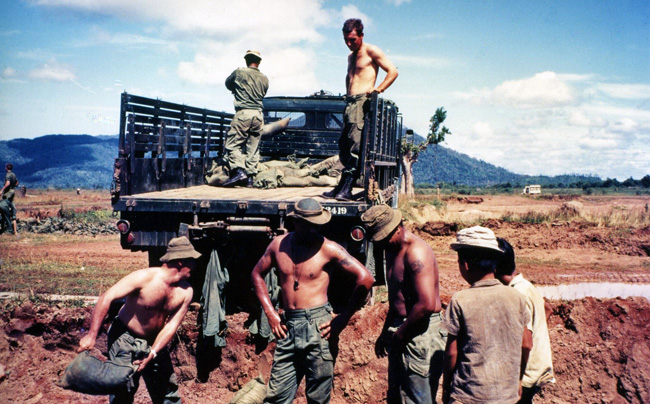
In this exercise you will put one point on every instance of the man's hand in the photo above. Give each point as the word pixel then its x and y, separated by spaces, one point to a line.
pixel 144 362
pixel 86 343
pixel 277 326
pixel 333 328
pixel 374 90
pixel 381 345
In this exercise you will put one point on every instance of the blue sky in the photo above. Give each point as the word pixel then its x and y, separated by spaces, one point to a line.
pixel 543 87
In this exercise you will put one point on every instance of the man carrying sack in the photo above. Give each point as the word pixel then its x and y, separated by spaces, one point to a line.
pixel 156 302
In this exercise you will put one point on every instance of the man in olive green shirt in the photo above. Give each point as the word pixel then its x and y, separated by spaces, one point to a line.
pixel 249 86
pixel 11 181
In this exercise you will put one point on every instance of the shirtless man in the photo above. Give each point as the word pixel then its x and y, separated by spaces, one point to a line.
pixel 412 334
pixel 364 62
pixel 156 302
pixel 308 331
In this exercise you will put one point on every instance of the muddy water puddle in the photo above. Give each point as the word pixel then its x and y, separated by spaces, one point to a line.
pixel 605 290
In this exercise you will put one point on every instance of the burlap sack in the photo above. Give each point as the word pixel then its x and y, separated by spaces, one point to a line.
pixel 89 375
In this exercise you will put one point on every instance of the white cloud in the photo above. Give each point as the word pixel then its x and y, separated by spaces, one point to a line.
pixel 544 89
pixel 581 118
pixel 8 72
pixel 398 3
pixel 52 71
pixel 626 91
pixel 216 19
pixel 351 11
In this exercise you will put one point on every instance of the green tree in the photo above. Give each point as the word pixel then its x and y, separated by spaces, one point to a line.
pixel 411 151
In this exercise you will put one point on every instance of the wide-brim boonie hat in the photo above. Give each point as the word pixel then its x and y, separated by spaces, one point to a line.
pixel 476 237
pixel 380 221
pixel 253 53
pixel 179 248
pixel 310 210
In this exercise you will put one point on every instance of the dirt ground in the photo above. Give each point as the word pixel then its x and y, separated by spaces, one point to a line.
pixel 601 347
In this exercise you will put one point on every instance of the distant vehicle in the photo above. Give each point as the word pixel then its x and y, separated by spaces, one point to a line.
pixel 532 190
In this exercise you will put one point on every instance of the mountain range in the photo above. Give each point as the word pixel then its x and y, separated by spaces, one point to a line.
pixel 84 161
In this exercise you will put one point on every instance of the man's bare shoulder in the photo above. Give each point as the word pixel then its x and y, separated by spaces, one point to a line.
pixel 333 249
pixel 419 250
pixel 372 50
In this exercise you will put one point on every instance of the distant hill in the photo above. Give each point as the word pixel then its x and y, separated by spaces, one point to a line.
pixel 62 161
pixel 458 168
pixel 83 161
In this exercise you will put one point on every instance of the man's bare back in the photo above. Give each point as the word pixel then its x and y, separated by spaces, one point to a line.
pixel 411 269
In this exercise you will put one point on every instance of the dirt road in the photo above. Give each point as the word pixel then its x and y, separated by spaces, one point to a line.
pixel 601 347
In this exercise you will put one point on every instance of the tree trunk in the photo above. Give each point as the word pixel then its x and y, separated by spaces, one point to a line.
pixel 406 186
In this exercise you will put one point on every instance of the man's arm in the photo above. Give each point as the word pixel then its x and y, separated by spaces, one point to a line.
pixel 548 309
pixel 124 287
pixel 7 183
pixel 386 65
pixel 165 335
pixel 263 267
pixel 341 259
pixel 422 268
pixel 449 366
pixel 526 347
pixel 230 81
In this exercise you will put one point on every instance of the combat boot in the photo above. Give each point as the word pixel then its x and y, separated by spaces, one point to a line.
pixel 332 194
pixel 237 176
pixel 345 194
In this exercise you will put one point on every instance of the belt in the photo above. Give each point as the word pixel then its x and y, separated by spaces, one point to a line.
pixel 354 98
pixel 308 314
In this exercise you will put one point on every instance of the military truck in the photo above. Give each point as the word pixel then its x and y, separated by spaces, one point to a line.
pixel 166 149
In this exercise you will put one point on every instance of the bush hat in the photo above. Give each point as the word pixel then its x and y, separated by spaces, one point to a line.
pixel 380 221
pixel 476 237
pixel 310 210
pixel 179 248
pixel 253 53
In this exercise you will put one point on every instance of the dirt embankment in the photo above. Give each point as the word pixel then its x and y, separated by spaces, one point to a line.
pixel 601 354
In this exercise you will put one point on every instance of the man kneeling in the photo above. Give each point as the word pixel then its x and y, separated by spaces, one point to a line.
pixel 156 302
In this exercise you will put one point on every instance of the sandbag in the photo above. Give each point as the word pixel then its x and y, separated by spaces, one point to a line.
pixel 294 182
pixel 253 392
pixel 89 375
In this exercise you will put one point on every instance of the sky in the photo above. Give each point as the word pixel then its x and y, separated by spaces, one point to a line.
pixel 543 87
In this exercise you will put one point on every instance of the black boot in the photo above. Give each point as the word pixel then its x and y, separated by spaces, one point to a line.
pixel 237 176
pixel 251 181
pixel 332 194
pixel 345 194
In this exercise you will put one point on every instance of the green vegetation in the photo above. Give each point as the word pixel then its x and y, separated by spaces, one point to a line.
pixel 51 277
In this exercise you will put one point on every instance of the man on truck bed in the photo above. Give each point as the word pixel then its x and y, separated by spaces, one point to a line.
pixel 156 302
pixel 249 86
pixel 412 333
pixel 308 331
pixel 363 62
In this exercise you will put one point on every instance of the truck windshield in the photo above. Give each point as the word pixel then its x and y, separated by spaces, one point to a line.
pixel 298 119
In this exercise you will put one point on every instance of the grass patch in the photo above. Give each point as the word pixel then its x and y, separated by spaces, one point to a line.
pixel 100 216
pixel 56 278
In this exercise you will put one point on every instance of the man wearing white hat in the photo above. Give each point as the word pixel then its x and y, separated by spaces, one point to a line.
pixel 308 332
pixel 249 86
pixel 156 302
pixel 487 346
pixel 412 335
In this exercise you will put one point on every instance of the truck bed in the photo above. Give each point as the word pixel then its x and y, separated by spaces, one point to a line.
pixel 219 200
